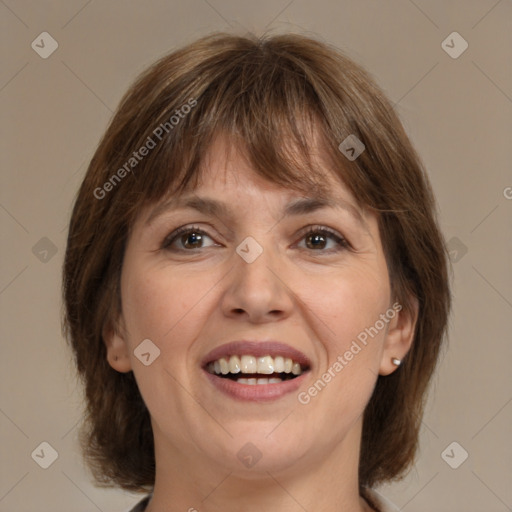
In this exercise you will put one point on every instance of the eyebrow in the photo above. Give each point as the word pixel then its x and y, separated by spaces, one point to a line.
pixel 213 207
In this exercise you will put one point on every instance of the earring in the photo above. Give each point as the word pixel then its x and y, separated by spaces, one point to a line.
pixel 396 361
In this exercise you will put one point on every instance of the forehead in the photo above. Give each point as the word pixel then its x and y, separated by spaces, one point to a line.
pixel 227 173
pixel 229 162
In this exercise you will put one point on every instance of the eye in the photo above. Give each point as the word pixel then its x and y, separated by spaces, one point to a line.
pixel 316 238
pixel 323 239
pixel 187 238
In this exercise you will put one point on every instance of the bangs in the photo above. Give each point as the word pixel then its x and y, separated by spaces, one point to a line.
pixel 263 104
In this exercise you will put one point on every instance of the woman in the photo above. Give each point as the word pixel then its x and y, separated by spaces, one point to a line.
pixel 255 283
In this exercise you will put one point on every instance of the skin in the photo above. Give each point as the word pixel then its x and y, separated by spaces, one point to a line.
pixel 316 297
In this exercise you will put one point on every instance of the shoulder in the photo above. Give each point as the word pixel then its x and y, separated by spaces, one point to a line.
pixel 375 498
pixel 141 505
pixel 378 500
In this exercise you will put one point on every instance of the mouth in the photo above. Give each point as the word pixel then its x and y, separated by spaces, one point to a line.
pixel 256 370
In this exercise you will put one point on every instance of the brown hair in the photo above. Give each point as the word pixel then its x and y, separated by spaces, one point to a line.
pixel 266 94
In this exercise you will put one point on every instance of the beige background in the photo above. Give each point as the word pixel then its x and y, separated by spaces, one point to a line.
pixel 458 113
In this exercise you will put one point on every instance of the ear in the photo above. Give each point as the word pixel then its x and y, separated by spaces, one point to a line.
pixel 400 335
pixel 118 354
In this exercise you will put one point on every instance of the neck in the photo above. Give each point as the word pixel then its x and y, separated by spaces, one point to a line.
pixel 188 481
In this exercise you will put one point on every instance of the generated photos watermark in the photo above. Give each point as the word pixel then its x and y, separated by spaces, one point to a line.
pixel 151 142
pixel 304 397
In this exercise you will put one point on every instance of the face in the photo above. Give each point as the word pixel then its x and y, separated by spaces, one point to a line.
pixel 239 269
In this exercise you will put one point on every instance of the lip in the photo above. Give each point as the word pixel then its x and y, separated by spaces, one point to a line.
pixel 257 349
pixel 256 392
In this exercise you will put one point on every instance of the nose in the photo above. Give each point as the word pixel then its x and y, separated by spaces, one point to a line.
pixel 257 292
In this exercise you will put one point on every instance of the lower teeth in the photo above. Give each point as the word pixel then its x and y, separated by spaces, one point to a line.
pixel 253 381
pixel 274 378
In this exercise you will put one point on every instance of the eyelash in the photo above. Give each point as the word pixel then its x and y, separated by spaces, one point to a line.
pixel 342 243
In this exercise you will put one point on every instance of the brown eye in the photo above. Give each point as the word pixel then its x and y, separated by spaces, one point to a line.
pixel 192 240
pixel 187 238
pixel 323 240
pixel 316 241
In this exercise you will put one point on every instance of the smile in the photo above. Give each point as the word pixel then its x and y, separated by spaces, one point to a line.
pixel 256 370
pixel 252 370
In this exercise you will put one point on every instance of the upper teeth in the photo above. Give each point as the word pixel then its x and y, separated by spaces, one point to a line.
pixel 250 364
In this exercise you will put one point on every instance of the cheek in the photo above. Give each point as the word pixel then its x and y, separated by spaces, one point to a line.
pixel 163 306
pixel 147 309
pixel 348 304
pixel 348 307
pixel 166 308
